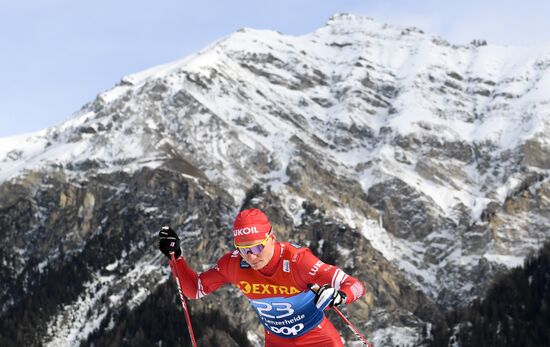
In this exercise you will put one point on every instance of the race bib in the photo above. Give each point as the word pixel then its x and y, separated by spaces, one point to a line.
pixel 289 317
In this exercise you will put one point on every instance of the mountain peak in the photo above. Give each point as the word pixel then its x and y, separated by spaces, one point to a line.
pixel 347 22
pixel 348 18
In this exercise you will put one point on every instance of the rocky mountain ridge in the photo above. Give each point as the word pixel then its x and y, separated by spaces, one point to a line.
pixel 424 162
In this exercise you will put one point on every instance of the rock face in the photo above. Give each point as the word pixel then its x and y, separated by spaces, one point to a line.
pixel 418 166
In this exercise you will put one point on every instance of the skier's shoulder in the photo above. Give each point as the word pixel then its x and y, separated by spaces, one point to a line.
pixel 229 257
pixel 293 250
pixel 302 257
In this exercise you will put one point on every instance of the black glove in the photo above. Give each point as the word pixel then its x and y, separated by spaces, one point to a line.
pixel 169 242
pixel 327 296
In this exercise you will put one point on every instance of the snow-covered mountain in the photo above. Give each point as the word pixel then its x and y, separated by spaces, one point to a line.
pixel 432 157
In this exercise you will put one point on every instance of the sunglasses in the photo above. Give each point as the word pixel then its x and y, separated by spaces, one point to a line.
pixel 255 249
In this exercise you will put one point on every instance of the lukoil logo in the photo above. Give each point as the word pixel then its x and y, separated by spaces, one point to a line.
pixel 315 268
pixel 245 231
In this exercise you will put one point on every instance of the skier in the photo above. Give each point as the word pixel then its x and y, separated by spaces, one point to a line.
pixel 288 286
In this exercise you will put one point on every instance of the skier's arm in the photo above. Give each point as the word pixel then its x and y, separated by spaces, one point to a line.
pixel 311 270
pixel 194 285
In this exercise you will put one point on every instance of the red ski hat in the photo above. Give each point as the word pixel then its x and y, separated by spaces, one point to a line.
pixel 250 225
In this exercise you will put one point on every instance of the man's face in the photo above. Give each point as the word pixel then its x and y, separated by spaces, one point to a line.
pixel 259 261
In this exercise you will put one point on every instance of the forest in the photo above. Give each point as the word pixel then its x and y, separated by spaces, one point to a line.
pixel 514 312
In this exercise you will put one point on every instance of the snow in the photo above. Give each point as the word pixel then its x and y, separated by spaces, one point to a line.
pixel 139 297
pixel 372 231
pixel 42 265
pixel 407 57
pixel 294 207
pixel 503 191
pixel 21 147
pixel 77 320
pixel 510 261
pixel 112 266
pixel 114 94
pixel 73 324
pixel 254 339
pixel 394 336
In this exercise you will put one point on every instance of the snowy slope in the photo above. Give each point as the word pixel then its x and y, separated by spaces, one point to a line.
pixel 346 51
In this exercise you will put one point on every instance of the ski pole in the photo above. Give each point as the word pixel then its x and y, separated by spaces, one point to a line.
pixel 352 327
pixel 315 288
pixel 182 298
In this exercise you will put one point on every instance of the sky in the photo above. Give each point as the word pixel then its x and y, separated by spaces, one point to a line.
pixel 57 55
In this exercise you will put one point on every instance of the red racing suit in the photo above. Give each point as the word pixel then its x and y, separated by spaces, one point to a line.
pixel 278 292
